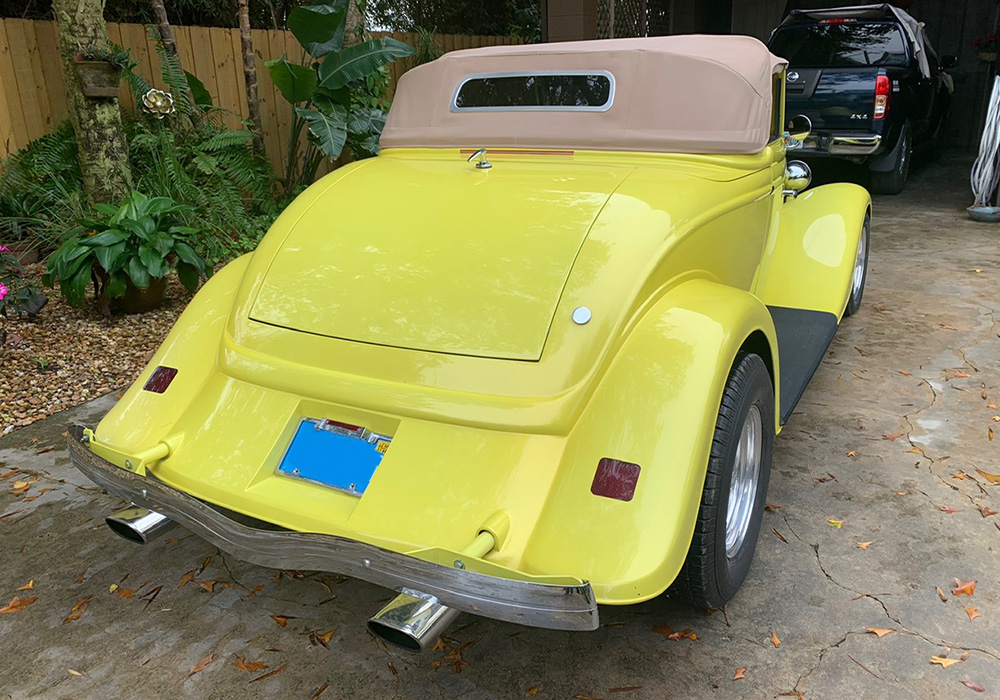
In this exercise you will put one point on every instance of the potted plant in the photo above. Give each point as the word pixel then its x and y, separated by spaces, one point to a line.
pixel 127 252
pixel 986 47
pixel 100 70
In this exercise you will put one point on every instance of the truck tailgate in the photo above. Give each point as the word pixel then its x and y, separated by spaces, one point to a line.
pixel 834 99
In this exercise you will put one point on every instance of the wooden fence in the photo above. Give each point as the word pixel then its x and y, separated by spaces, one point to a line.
pixel 33 98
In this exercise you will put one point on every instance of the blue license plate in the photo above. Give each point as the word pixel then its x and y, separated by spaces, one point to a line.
pixel 334 454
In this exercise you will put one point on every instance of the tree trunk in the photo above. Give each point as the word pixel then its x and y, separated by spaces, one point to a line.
pixel 97 122
pixel 355 26
pixel 170 45
pixel 250 74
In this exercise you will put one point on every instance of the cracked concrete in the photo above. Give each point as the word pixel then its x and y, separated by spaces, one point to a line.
pixel 895 414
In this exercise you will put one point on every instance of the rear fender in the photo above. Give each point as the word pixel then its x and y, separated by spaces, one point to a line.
pixel 191 347
pixel 656 407
pixel 809 256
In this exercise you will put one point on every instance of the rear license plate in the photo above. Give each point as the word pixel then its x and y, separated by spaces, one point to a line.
pixel 334 454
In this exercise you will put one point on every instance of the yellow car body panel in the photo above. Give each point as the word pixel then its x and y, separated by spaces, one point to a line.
pixel 499 405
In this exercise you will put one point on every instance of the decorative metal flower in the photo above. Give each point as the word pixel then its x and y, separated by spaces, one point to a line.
pixel 158 103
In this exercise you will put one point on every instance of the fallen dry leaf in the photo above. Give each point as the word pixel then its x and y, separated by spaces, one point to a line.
pixel 852 453
pixel 947 326
pixel 187 578
pixel 944 662
pixel 28 586
pixel 992 478
pixel 255 591
pixel 989 404
pixel 322 689
pixel 686 633
pixel 244 665
pixel 973 612
pixel 835 523
pixel 915 450
pixel 986 511
pixel 975 686
pixel 439 645
pixel 771 507
pixel 532 691
pixel 201 665
pixel 73 672
pixel 112 588
pixel 964 587
pixel 779 535
pixel 989 435
pixel 208 585
pixel 17 604
pixel 892 437
pixel 775 641
pixel 204 564
pixel 282 620
pixel 740 674
pixel 318 639
pixel 947 509
pixel 941 595
pixel 960 475
pixel 78 609
pixel 907 374
pixel 865 545
pixel 126 593
pixel 879 632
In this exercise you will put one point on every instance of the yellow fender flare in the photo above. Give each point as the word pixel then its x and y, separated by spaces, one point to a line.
pixel 656 407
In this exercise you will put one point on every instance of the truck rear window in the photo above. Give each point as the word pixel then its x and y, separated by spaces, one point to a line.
pixel 593 91
pixel 846 44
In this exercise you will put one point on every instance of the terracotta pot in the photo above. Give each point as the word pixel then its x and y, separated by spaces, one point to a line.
pixel 137 301
pixel 98 78
pixel 25 253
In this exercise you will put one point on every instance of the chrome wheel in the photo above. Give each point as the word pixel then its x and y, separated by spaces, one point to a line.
pixel 858 279
pixel 743 486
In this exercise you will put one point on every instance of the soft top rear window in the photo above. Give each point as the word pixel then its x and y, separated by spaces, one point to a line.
pixel 841 44
pixel 569 90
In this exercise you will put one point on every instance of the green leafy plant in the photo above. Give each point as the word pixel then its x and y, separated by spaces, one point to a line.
pixel 136 243
pixel 321 92
pixel 114 54
pixel 427 47
pixel 18 296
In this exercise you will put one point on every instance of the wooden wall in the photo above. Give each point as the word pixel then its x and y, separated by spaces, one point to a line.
pixel 33 99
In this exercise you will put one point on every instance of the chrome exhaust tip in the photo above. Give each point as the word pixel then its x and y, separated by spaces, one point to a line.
pixel 412 621
pixel 139 525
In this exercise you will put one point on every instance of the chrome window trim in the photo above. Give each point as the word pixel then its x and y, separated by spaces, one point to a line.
pixel 538 108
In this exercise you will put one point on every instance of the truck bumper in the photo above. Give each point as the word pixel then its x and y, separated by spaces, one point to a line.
pixel 848 144
pixel 565 607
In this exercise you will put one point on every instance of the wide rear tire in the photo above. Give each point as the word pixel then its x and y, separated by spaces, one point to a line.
pixel 893 181
pixel 732 503
pixel 860 273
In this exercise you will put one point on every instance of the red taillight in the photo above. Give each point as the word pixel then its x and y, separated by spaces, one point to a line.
pixel 615 479
pixel 160 379
pixel 839 20
pixel 882 90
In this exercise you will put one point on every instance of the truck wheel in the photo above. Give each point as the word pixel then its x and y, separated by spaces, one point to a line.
pixel 892 181
pixel 860 272
pixel 732 504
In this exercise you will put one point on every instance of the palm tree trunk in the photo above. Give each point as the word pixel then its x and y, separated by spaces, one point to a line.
pixel 170 45
pixel 250 74
pixel 97 122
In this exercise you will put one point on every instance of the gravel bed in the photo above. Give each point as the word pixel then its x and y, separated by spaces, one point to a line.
pixel 68 356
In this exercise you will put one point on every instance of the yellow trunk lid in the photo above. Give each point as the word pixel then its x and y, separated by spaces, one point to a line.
pixel 436 255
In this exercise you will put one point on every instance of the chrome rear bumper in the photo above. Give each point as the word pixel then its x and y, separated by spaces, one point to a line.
pixel 521 602
pixel 839 145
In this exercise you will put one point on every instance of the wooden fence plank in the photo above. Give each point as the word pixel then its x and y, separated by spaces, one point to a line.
pixel 222 55
pixel 17 136
pixel 154 58
pixel 283 111
pixel 204 65
pixel 182 35
pixel 134 39
pixel 269 99
pixel 42 80
pixel 28 83
pixel 52 73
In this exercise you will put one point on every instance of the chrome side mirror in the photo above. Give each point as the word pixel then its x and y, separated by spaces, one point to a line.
pixel 798 176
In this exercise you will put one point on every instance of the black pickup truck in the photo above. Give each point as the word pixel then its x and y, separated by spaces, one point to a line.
pixel 870 83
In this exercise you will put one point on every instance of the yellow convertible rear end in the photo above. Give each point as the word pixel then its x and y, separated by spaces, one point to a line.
pixel 530 359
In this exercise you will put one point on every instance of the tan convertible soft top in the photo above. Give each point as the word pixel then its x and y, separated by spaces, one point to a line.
pixel 681 94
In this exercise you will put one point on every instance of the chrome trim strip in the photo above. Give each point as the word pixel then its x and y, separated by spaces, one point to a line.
pixel 538 108
pixel 524 603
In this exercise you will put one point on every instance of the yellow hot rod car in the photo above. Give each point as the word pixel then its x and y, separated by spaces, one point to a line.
pixel 530 359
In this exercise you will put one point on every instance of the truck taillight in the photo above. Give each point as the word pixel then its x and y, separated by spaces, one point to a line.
pixel 882 89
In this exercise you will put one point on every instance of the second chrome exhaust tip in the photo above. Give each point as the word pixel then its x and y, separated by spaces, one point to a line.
pixel 139 525
pixel 412 621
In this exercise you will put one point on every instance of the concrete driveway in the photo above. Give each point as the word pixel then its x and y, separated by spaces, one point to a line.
pixel 900 410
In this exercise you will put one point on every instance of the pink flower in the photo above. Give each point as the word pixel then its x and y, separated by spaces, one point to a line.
pixel 3 291
pixel 4 249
